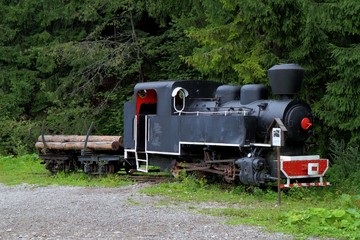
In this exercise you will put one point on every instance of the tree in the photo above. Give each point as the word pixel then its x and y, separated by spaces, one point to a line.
pixel 238 40
pixel 340 106
pixel 65 63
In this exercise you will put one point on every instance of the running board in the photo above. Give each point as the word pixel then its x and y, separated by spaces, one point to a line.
pixel 142 161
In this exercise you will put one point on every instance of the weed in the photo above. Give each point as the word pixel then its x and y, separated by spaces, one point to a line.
pixel 338 223
pixel 133 202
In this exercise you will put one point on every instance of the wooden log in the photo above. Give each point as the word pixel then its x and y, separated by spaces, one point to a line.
pixel 80 138
pixel 107 146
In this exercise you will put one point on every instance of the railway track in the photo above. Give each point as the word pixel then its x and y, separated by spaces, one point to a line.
pixel 150 178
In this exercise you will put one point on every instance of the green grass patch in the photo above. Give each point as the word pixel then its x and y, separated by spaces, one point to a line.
pixel 304 212
pixel 27 169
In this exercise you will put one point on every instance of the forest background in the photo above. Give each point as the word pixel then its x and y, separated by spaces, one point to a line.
pixel 67 63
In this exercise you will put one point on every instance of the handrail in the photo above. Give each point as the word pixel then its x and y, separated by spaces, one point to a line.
pixel 227 112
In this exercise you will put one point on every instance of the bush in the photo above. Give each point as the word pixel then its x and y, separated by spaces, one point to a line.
pixel 344 173
pixel 17 137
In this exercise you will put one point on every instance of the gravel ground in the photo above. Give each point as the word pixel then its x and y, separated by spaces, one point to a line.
pixel 58 212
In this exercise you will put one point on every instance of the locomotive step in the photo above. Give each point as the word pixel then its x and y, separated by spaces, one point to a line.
pixel 142 163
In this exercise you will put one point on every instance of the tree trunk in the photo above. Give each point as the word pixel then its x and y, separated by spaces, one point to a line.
pixel 109 146
pixel 80 138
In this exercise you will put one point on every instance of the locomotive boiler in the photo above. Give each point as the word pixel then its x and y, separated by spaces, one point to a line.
pixel 223 129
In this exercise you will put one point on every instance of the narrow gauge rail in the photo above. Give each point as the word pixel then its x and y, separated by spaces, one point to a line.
pixel 150 178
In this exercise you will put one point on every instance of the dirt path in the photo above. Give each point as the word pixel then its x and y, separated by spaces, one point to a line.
pixel 57 212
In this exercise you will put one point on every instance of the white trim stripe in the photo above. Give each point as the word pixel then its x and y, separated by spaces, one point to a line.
pixel 306 157
pixel 313 184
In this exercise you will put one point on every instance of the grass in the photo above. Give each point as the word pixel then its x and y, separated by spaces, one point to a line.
pixel 27 169
pixel 303 212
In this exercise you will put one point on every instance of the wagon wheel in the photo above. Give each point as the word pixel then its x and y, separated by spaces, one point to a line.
pixel 110 169
pixel 69 165
pixel 94 168
pixel 50 166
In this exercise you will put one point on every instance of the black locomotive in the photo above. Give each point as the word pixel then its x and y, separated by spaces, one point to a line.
pixel 216 129
pixel 222 129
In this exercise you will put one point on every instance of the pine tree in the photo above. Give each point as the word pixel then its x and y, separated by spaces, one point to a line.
pixel 340 106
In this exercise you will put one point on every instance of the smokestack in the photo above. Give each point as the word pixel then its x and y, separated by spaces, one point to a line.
pixel 286 79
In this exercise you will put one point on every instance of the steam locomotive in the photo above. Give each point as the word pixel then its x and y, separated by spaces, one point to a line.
pixel 220 130
pixel 223 129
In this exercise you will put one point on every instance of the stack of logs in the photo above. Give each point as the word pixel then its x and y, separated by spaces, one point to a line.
pixel 77 142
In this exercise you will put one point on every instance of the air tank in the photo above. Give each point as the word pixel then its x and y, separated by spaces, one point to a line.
pixel 286 79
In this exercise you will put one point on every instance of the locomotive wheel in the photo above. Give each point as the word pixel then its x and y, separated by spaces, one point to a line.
pixel 230 173
pixel 209 177
pixel 175 168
